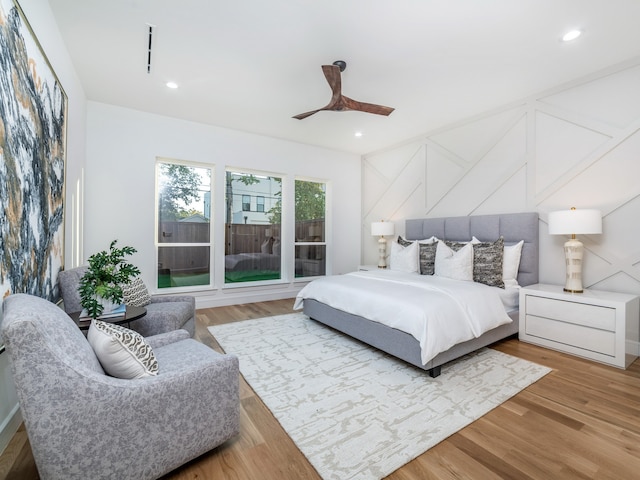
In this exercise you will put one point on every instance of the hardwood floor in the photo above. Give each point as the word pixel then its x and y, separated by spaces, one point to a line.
pixel 582 421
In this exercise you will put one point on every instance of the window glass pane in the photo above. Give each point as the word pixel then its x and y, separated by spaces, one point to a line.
pixel 310 252
pixel 184 214
pixel 184 204
pixel 183 266
pixel 310 260
pixel 252 238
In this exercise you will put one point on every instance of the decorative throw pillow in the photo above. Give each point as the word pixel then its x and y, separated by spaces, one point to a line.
pixel 427 253
pixel 404 259
pixel 135 293
pixel 456 265
pixel 487 262
pixel 404 242
pixel 122 353
pixel 427 257
pixel 511 264
pixel 266 246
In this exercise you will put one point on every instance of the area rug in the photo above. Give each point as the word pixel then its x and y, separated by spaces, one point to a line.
pixel 354 411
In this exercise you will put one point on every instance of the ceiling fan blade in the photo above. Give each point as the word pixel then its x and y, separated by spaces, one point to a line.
pixel 332 74
pixel 302 116
pixel 351 104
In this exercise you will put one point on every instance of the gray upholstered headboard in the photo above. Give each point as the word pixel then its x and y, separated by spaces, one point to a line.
pixel 513 227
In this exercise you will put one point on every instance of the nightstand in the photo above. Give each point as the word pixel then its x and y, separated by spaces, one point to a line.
pixel 598 325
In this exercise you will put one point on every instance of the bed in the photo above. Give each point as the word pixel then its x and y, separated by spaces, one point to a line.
pixel 513 228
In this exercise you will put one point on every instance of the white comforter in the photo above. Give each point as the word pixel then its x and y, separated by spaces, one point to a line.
pixel 437 311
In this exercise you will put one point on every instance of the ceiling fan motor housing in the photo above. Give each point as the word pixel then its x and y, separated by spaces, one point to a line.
pixel 340 63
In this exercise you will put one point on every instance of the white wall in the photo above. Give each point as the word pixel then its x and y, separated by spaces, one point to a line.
pixel 576 145
pixel 43 24
pixel 122 147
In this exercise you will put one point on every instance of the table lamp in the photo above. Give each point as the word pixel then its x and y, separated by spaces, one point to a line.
pixel 380 229
pixel 574 222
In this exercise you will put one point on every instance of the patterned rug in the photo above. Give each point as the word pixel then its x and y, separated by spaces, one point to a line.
pixel 354 411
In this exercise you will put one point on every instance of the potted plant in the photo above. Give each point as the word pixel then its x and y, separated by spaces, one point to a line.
pixel 102 283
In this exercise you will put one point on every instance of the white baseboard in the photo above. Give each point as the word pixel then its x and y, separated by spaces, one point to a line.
pixel 240 295
pixel 9 427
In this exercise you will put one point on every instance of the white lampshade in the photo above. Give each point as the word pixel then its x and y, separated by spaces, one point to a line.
pixel 573 222
pixel 379 229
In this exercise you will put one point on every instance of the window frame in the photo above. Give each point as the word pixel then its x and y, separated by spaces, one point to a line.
pixel 284 274
pixel 246 206
pixel 210 244
pixel 327 228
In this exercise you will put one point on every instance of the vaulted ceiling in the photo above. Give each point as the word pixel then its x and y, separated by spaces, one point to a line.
pixel 251 65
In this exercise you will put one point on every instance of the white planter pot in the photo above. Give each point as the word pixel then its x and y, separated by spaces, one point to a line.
pixel 107 305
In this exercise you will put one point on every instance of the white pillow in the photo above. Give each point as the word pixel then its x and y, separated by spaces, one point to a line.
pixel 456 265
pixel 122 353
pixel 511 264
pixel 266 246
pixel 404 259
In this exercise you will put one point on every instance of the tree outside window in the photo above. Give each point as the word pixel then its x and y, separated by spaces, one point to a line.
pixel 184 229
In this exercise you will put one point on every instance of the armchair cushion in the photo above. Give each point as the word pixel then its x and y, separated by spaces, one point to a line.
pixel 166 313
pixel 122 353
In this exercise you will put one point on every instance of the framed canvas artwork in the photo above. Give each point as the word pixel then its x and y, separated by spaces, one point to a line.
pixel 33 114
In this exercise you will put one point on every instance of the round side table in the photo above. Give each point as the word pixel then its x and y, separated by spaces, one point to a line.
pixel 131 314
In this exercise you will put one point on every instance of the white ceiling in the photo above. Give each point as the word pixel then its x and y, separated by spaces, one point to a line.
pixel 251 65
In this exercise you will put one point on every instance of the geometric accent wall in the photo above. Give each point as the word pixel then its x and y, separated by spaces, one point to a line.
pixel 575 145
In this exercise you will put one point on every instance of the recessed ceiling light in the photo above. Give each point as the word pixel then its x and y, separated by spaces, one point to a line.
pixel 571 35
pixel 172 84
pixel 358 134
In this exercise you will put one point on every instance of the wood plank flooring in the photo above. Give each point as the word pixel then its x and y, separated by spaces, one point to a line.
pixel 582 421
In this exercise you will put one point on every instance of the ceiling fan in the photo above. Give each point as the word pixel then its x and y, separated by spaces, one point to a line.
pixel 340 103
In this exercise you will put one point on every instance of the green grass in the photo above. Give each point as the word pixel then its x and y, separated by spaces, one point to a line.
pixel 183 280
pixel 197 279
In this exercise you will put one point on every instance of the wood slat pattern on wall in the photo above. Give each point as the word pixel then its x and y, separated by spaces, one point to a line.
pixel 574 145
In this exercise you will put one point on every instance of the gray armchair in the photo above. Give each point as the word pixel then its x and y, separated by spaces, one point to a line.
pixel 84 424
pixel 164 313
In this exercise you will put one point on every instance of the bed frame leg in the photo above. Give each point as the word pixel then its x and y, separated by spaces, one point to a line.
pixel 434 372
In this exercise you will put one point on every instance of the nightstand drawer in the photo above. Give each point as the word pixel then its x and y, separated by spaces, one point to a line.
pixel 586 315
pixel 594 340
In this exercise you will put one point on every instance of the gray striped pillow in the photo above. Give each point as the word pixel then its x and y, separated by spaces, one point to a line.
pixel 487 261
pixel 136 293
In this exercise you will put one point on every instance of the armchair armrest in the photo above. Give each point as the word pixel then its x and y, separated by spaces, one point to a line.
pixel 173 298
pixel 162 339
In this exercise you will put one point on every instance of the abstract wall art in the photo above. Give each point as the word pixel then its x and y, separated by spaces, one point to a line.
pixel 33 112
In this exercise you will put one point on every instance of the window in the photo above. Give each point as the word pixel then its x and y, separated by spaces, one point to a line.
pixel 310 242
pixel 246 203
pixel 183 224
pixel 252 238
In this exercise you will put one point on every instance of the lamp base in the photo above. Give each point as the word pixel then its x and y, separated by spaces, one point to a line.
pixel 382 251
pixel 573 250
